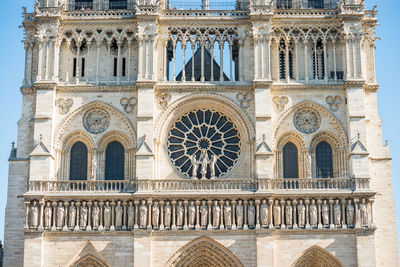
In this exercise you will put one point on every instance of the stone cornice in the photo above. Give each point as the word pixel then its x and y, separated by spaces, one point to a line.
pixel 187 87
pixel 96 88
pixel 292 86
pixel 371 87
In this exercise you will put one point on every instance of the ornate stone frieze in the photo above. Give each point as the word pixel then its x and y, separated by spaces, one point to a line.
pixel 334 102
pixel 96 120
pixel 64 105
pixel 128 103
pixel 280 102
pixel 307 120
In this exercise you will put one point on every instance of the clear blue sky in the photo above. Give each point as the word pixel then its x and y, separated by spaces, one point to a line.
pixel 12 67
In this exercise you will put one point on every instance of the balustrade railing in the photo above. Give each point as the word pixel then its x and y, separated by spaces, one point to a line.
pixel 130 186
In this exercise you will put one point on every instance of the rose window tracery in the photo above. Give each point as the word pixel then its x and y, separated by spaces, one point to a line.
pixel 307 120
pixel 96 120
pixel 204 144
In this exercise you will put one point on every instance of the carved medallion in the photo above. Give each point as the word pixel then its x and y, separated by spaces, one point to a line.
pixel 96 121
pixel 244 99
pixel 163 99
pixel 204 144
pixel 280 102
pixel 128 104
pixel 64 105
pixel 307 120
pixel 334 102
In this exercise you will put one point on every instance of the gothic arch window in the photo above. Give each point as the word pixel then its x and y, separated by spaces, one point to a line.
pixel 318 60
pixel 286 59
pixel 115 161
pixel 78 162
pixel 290 161
pixel 83 4
pixel 324 160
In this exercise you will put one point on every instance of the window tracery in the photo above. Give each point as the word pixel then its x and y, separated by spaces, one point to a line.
pixel 204 143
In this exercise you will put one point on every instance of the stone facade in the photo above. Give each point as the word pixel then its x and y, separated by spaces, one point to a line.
pixel 160 134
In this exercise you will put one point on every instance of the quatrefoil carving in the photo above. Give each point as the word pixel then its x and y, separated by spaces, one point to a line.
pixel 280 102
pixel 334 102
pixel 128 104
pixel 64 105
pixel 244 99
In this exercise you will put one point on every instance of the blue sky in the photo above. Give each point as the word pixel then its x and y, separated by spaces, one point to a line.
pixel 12 68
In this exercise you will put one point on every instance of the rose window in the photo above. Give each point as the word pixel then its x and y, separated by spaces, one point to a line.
pixel 96 121
pixel 307 120
pixel 204 144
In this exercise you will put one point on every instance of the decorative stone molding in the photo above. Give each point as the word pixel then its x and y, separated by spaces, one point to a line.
pixel 245 99
pixel 128 104
pixel 163 99
pixel 317 256
pixel 307 120
pixel 280 102
pixel 334 102
pixel 96 120
pixel 64 105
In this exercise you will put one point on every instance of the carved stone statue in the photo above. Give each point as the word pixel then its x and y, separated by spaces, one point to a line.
pixel 143 209
pixel 277 213
pixel 309 165
pixel 301 209
pixel 60 215
pixel 94 167
pixel 83 215
pixel 289 213
pixel 239 214
pixel 119 210
pixel 204 162
pixel 325 213
pixel 72 215
pixel 228 215
pixel 364 212
pixel 313 211
pixel 167 214
pixel 107 215
pixel 251 214
pixel 192 214
pixel 204 214
pixel 264 213
pixel 34 214
pixel 213 163
pixel 95 215
pixel 350 213
pixel 195 166
pixel 216 213
pixel 48 211
pixel 131 215
pixel 337 213
pixel 156 215
pixel 179 214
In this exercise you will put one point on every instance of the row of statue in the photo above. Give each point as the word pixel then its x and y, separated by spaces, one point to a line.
pixel 200 214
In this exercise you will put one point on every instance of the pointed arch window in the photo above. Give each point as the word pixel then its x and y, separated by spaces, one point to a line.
pixel 286 60
pixel 324 160
pixel 78 162
pixel 115 161
pixel 318 60
pixel 290 161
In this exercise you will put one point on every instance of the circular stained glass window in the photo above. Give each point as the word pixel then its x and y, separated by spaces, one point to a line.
pixel 204 144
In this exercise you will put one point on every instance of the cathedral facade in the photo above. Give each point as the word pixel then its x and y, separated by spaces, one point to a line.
pixel 158 133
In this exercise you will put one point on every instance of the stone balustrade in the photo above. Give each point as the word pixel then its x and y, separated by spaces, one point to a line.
pixel 103 214
pixel 129 186
pixel 196 14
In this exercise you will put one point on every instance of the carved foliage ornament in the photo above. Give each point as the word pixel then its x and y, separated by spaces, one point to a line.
pixel 334 102
pixel 204 144
pixel 280 102
pixel 163 99
pixel 64 105
pixel 128 104
pixel 307 120
pixel 96 120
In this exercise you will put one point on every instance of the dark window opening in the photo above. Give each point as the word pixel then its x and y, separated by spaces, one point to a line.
pixel 124 67
pixel 118 4
pixel 115 67
pixel 83 67
pixel 115 158
pixel 78 162
pixel 316 3
pixel 74 68
pixel 83 4
pixel 318 61
pixel 284 4
pixel 290 161
pixel 324 160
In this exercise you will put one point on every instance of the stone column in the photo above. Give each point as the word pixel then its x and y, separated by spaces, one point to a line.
pixel 66 204
pixel 27 204
pixel 185 215
pixel 257 202
pixel 112 226
pixel 356 213
pixel 245 225
pixel 283 226
pixel 173 227
pixel 331 225
pixel 209 226
pixel 197 227
pixel 344 225
pixel 101 227
pixel 124 216
pixel 56 60
pixel 40 43
pixel 149 213
pixel 271 223
pixel 41 228
pixel 162 215
pixel 307 202
pixel 136 226
pixel 319 218
pixel 54 226
pixel 294 214
pixel 89 226
pixel 233 214
pixel 221 221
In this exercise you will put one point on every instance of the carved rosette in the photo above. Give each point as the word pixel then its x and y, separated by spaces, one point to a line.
pixel 307 120
pixel 96 120
pixel 64 105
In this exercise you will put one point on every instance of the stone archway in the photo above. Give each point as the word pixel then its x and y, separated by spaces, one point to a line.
pixel 316 256
pixel 204 252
